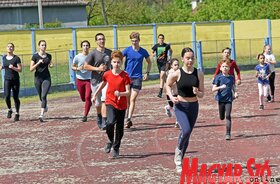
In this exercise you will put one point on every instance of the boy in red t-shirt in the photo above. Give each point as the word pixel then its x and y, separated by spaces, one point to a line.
pixel 116 101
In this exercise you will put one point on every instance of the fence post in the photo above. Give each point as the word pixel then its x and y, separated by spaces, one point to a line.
pixel 115 32
pixel 33 40
pixel 194 37
pixel 199 56
pixel 74 39
pixel 232 41
pixel 269 32
pixel 155 33
pixel 71 56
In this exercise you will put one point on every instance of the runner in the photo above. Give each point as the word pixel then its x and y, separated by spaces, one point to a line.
pixel 224 85
pixel 12 67
pixel 41 62
pixel 116 101
pixel 263 74
pixel 135 55
pixel 270 59
pixel 162 52
pixel 233 66
pixel 174 66
pixel 190 85
pixel 83 77
pixel 98 61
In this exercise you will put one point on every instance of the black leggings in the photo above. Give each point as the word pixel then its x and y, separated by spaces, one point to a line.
pixel 115 118
pixel 225 110
pixel 271 83
pixel 43 86
pixel 14 86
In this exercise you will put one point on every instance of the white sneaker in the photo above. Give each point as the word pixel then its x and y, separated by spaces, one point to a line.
pixel 177 125
pixel 41 118
pixel 178 168
pixel 178 157
pixel 167 111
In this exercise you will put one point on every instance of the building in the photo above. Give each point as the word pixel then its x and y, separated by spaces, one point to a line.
pixel 195 3
pixel 16 13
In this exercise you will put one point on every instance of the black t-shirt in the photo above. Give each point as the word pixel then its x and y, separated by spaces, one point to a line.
pixel 161 52
pixel 11 74
pixel 42 70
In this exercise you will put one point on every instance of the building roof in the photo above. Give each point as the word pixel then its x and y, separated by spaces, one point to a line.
pixel 31 3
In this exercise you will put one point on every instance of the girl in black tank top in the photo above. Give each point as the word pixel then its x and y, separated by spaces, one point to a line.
pixel 190 84
pixel 187 82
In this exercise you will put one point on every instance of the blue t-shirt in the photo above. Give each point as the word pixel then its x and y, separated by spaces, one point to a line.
pixel 263 71
pixel 224 95
pixel 134 61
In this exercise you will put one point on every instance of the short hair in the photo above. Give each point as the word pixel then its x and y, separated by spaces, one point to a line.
pixel 117 54
pixel 134 35
pixel 227 48
pixel 85 41
pixel 40 41
pixel 99 34
pixel 226 61
pixel 160 35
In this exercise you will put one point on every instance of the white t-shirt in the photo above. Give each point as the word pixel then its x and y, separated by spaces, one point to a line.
pixel 270 57
pixel 79 60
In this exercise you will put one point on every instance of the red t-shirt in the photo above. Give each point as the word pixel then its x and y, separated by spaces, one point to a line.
pixel 116 82
pixel 233 66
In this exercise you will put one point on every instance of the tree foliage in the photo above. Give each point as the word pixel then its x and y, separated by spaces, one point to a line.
pixel 118 12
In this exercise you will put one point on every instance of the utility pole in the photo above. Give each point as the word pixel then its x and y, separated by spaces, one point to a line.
pixel 40 13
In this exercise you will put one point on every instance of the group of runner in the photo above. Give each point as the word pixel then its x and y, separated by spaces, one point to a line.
pixel 113 91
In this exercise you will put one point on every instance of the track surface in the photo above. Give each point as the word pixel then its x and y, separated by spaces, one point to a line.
pixel 66 150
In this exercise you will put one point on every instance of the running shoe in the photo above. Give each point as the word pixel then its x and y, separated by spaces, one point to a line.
pixel 228 137
pixel 261 107
pixel 167 111
pixel 116 153
pixel 108 147
pixel 41 118
pixel 128 124
pixel 178 157
pixel 9 115
pixel 84 119
pixel 16 117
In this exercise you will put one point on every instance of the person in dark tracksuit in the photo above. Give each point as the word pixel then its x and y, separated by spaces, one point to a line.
pixel 190 86
pixel 12 67
pixel 40 63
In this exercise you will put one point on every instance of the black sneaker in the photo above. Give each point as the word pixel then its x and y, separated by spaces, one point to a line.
pixel 159 95
pixel 108 147
pixel 84 119
pixel 116 153
pixel 9 115
pixel 128 124
pixel 261 107
pixel 99 121
pixel 16 117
